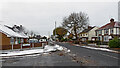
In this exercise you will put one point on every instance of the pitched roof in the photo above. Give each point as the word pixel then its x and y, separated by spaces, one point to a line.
pixel 87 30
pixel 9 32
pixel 110 25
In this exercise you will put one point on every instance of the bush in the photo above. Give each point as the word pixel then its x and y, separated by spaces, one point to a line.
pixel 76 42
pixel 90 41
pixel 63 40
pixel 115 43
pixel 97 42
pixel 104 43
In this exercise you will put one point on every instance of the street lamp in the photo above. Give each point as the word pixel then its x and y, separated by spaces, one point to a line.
pixel 12 41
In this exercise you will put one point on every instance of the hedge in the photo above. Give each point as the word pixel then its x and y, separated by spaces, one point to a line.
pixel 115 43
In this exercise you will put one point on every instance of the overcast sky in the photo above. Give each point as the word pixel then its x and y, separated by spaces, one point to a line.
pixel 40 16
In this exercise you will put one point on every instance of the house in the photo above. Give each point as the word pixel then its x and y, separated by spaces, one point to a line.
pixel 88 34
pixel 108 31
pixel 9 37
pixel 43 39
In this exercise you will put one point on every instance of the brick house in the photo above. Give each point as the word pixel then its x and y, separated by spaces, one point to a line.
pixel 108 31
pixel 6 36
pixel 88 34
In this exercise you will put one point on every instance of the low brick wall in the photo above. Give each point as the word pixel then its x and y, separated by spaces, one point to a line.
pixel 18 46
pixel 6 47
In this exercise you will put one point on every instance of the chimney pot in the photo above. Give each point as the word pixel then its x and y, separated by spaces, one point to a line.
pixel 111 20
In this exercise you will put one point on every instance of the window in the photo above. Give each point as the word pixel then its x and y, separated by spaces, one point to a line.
pixel 106 38
pixel 83 39
pixel 100 38
pixel 100 32
pixel 19 41
pixel 111 31
pixel 81 34
pixel 117 30
pixel 22 40
pixel 96 33
pixel 11 40
pixel 16 41
pixel 106 31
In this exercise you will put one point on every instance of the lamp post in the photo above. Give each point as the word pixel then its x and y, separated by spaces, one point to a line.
pixel 12 41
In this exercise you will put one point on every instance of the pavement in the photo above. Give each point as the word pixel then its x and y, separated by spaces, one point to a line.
pixel 100 47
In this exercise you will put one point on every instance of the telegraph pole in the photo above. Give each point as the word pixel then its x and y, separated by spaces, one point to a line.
pixel 55 31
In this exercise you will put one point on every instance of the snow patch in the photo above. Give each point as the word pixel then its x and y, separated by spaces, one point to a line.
pixel 103 49
pixel 23 52
pixel 46 49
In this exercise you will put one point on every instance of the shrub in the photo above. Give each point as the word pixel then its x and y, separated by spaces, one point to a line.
pixel 63 40
pixel 97 42
pixel 76 42
pixel 104 43
pixel 115 43
pixel 89 41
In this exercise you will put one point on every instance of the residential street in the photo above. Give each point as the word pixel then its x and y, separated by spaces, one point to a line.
pixel 58 58
pixel 78 56
pixel 94 57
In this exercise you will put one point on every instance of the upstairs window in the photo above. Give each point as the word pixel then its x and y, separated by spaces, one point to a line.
pixel 106 31
pixel 81 34
pixel 100 32
pixel 96 33
pixel 111 31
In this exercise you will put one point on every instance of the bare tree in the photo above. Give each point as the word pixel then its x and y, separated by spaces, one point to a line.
pixel 75 23
pixel 31 33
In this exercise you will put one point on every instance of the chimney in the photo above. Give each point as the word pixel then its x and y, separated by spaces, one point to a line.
pixel 111 20
pixel 20 26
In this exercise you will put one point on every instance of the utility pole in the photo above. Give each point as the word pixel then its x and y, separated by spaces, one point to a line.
pixel 55 31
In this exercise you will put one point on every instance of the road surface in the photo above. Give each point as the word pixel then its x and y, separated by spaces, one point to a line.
pixel 78 56
pixel 100 58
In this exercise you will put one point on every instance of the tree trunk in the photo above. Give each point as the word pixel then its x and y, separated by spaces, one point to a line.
pixel 75 31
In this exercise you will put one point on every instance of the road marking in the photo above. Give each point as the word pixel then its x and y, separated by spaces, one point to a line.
pixel 110 56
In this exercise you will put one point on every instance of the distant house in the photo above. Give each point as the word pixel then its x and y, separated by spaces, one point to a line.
pixel 43 39
pixel 108 31
pixel 8 36
pixel 88 34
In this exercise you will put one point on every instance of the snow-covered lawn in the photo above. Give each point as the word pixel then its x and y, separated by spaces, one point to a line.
pixel 46 49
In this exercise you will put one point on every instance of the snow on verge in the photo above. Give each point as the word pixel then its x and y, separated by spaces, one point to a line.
pixel 103 49
pixel 14 53
pixel 46 49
